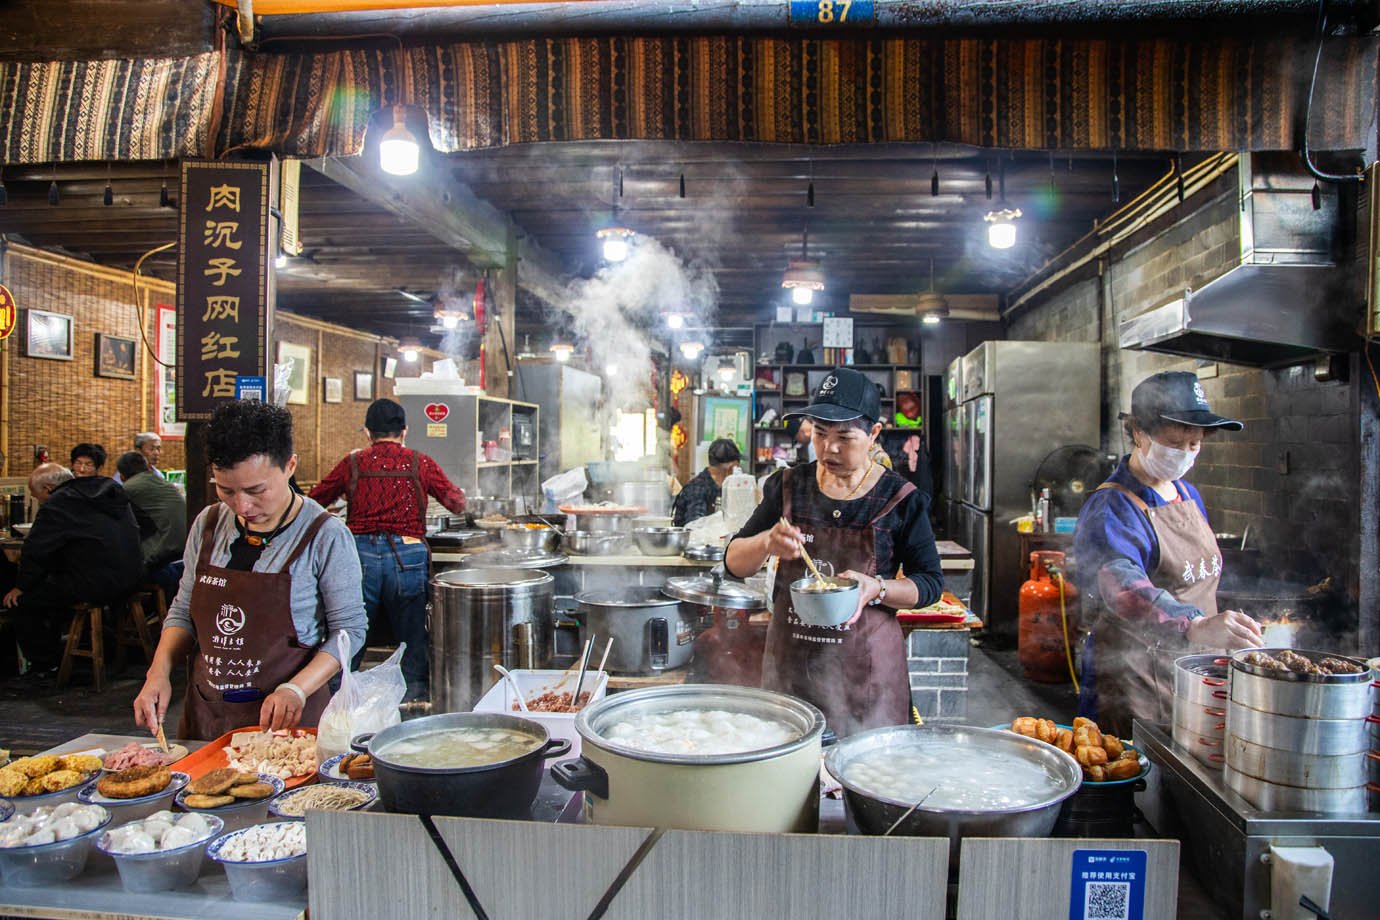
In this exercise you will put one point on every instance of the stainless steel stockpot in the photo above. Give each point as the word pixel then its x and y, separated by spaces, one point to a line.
pixel 1201 680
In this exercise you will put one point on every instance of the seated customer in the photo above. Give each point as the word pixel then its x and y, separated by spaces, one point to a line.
pixel 701 494
pixel 87 460
pixel 84 546
pixel 162 503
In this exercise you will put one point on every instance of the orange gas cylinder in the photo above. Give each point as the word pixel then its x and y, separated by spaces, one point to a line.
pixel 1042 627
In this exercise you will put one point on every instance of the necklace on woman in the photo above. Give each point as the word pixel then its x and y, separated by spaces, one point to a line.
pixel 264 539
pixel 867 473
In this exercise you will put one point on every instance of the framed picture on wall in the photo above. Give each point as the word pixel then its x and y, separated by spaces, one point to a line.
pixel 333 389
pixel 364 386
pixel 115 356
pixel 390 368
pixel 48 335
pixel 298 359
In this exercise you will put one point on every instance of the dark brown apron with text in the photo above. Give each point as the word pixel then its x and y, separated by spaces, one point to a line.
pixel 414 474
pixel 245 640
pixel 1135 675
pixel 855 673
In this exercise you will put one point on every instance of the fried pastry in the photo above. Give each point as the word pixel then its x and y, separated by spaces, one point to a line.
pixel 1064 741
pixel 34 767
pixel 1123 769
pixel 33 787
pixel 251 791
pixel 12 782
pixel 134 782
pixel 82 763
pixel 216 782
pixel 207 801
pixel 244 779
pixel 1090 756
pixel 1113 746
pixel 59 780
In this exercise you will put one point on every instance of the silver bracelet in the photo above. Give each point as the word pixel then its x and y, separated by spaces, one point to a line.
pixel 301 694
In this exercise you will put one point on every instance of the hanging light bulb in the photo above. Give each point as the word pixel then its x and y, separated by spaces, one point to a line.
pixel 931 319
pixel 802 295
pixel 611 369
pixel 1001 227
pixel 450 321
pixel 802 279
pixel 4 192
pixel 164 199
pixel 617 243
pixel 691 349
pixel 399 154
pixel 562 350
pixel 281 260
pixel 675 320
pixel 409 352
pixel 108 198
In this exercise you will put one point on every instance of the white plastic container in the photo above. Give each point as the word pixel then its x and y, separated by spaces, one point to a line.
pixel 501 698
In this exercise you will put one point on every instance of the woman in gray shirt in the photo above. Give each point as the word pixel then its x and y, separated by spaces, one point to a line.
pixel 270 579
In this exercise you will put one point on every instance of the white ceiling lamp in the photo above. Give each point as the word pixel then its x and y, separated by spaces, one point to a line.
pixel 803 277
pixel 675 320
pixel 410 350
pixel 448 317
pixel 399 153
pixel 611 369
pixel 617 243
pixel 1001 226
pixel 691 349
pixel 931 306
pixel 562 350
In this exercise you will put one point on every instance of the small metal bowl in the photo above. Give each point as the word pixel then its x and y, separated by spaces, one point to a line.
pixel 530 538
pixel 661 541
pixel 592 543
pixel 705 552
pixel 830 606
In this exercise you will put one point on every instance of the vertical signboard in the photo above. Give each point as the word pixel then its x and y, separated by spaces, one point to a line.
pixel 223 293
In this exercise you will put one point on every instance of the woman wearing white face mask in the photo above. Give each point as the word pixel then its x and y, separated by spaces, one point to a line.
pixel 1148 562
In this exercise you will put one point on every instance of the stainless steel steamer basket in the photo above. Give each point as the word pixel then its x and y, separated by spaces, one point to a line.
pixel 1211 723
pixel 1288 768
pixel 1319 737
pixel 1276 797
pixel 1315 696
pixel 1201 679
pixel 1207 750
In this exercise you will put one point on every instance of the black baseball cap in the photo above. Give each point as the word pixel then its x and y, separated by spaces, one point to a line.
pixel 845 394
pixel 385 417
pixel 1175 396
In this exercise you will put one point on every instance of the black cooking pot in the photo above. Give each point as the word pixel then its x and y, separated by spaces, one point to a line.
pixel 505 789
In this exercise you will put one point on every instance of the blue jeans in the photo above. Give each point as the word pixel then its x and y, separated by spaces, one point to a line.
pixel 401 594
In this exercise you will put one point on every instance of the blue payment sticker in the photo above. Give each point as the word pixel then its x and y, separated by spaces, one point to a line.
pixel 832 12
pixel 250 387
pixel 1107 885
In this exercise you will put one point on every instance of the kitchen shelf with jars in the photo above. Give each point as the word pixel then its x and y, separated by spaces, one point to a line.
pixel 788 373
pixel 486 445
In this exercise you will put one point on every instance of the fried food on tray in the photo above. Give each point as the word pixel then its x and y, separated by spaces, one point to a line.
pixel 244 779
pixel 134 782
pixel 12 782
pixel 34 767
pixel 359 766
pixel 1104 758
pixel 33 787
pixel 251 791
pixel 82 763
pixel 207 801
pixel 59 780
pixel 215 782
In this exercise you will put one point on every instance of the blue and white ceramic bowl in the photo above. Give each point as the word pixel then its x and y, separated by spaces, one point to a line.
pixel 125 810
pixel 267 880
pixel 289 802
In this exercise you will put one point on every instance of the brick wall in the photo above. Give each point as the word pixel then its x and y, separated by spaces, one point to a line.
pixel 1292 474
pixel 937 660
pixel 61 403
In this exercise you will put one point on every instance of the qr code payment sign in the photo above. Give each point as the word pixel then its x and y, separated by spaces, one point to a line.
pixel 1107 901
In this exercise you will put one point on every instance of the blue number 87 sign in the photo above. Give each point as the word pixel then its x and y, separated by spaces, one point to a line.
pixel 832 12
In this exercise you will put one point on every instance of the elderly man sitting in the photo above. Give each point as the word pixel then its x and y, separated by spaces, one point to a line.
pixel 83 546
pixel 161 503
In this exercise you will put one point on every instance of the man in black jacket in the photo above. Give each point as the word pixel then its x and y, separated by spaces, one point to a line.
pixel 83 546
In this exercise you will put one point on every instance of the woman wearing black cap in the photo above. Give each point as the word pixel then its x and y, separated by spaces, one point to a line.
pixel 1148 561
pixel 868 522
pixel 699 496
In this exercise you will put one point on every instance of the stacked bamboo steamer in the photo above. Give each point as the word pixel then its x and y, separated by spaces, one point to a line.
pixel 1200 707
pixel 1299 742
pixel 1373 758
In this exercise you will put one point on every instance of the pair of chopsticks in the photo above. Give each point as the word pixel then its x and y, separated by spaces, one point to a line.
pixel 583 661
pixel 809 563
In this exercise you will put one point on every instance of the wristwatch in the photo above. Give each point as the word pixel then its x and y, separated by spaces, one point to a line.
pixel 881 594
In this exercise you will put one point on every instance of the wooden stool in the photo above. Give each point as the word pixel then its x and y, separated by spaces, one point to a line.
pixel 132 629
pixel 84 615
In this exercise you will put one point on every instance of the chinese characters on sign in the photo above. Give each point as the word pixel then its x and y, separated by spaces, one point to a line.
pixel 222 291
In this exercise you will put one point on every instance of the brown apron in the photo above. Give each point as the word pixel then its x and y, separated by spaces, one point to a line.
pixel 414 473
pixel 1135 674
pixel 856 674
pixel 246 640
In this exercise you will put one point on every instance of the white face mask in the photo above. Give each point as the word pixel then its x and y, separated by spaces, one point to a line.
pixel 1167 463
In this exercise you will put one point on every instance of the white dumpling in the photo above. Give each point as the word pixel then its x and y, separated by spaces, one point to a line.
pixel 195 823
pixel 156 829
pixel 64 828
pixel 41 836
pixel 86 819
pixel 164 815
pixel 65 809
pixel 138 842
pixel 176 837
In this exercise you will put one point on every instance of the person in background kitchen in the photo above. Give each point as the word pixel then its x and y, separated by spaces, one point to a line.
pixel 87 460
pixel 271 579
pixel 868 522
pixel 386 486
pixel 700 496
pixel 1148 562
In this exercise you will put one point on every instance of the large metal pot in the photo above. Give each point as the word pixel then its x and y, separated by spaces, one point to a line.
pixel 1311 696
pixel 1201 680
pixel 649 633
pixel 589 543
pixel 535 538
pixel 505 789
pixel 481 617
pixel 775 790
pixel 876 814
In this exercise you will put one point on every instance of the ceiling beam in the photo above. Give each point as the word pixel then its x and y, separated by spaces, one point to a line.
pixel 451 212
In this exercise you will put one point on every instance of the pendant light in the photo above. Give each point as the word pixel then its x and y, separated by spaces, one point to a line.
pixel 691 349
pixel 562 351
pixel 411 349
pixel 932 306
pixel 803 277
pixel 1001 226
pixel 616 240
pixel 399 154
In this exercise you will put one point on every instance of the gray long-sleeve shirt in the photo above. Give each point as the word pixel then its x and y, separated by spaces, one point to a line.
pixel 327 596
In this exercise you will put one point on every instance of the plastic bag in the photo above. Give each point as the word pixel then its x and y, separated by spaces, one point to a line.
pixel 367 701
pixel 564 488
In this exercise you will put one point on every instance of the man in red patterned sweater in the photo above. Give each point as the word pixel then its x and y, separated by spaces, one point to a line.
pixel 387 486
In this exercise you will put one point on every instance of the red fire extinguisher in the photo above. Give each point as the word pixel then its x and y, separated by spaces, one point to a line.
pixel 1047 606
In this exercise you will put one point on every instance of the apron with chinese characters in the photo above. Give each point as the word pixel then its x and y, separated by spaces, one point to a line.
pixel 1135 678
pixel 855 673
pixel 246 641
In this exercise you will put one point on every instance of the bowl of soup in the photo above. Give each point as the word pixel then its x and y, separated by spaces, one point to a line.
pixel 469 764
pixel 828 601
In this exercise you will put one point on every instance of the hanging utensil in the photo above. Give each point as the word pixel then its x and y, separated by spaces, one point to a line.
pixel 513 685
pixel 809 563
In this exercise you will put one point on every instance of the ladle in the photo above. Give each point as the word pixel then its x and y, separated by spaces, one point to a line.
pixel 809 563
pixel 512 683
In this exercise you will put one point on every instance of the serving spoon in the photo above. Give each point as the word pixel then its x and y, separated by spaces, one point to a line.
pixel 512 683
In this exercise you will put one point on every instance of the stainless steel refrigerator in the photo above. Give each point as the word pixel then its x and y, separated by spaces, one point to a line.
pixel 1018 402
pixel 954 468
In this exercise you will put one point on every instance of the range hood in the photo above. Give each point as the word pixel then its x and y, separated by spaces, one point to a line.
pixel 1286 301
